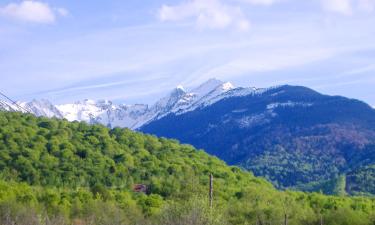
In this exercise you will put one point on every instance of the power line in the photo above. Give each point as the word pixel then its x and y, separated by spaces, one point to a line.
pixel 14 103
pixel 6 106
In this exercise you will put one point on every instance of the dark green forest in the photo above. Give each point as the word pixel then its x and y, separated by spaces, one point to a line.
pixel 299 147
pixel 59 172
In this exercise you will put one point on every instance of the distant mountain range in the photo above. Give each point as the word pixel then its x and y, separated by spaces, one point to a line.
pixel 292 135
pixel 109 114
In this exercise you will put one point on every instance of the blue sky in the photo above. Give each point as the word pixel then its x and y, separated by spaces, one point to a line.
pixel 136 51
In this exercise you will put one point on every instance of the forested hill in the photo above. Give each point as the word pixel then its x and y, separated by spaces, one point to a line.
pixel 291 135
pixel 58 172
pixel 57 153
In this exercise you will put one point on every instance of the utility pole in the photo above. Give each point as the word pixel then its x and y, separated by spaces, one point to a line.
pixel 211 189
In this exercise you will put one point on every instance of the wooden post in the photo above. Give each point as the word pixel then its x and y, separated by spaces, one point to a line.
pixel 321 219
pixel 285 219
pixel 211 189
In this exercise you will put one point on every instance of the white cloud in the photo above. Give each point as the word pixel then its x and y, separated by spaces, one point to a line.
pixel 32 11
pixel 260 2
pixel 338 6
pixel 348 7
pixel 207 14
pixel 62 11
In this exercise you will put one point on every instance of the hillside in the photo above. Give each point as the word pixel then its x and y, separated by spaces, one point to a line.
pixel 290 135
pixel 293 136
pixel 58 172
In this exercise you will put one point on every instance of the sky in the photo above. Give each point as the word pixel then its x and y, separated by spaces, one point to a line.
pixel 137 51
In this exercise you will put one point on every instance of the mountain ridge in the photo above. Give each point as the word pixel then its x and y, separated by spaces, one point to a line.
pixel 291 135
pixel 134 116
pixel 107 113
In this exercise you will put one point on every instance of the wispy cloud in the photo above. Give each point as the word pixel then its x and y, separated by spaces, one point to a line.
pixel 348 7
pixel 361 70
pixel 207 14
pixel 32 11
pixel 288 40
pixel 260 2
pixel 339 6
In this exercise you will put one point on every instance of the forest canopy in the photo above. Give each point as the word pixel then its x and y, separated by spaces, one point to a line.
pixel 58 172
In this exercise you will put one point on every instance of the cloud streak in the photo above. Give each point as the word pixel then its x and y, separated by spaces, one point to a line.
pixel 211 14
pixel 284 44
pixel 260 2
pixel 338 6
pixel 348 7
pixel 32 11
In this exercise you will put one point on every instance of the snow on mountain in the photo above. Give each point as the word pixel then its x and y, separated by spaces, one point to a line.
pixel 134 116
pixel 7 106
pixel 287 104
pixel 38 107
pixel 41 108
pixel 200 95
pixel 168 103
pixel 105 112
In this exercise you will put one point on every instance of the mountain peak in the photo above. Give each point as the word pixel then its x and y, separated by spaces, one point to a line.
pixel 207 87
pixel 106 112
pixel 42 107
pixel 211 82
pixel 177 92
pixel 227 86
pixel 180 87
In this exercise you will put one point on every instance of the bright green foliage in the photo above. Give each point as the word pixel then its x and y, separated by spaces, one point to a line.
pixel 336 186
pixel 72 155
pixel 57 172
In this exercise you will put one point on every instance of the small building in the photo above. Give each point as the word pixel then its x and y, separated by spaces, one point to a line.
pixel 140 188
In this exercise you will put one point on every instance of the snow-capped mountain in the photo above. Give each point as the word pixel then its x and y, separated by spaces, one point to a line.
pixel 38 107
pixel 178 101
pixel 7 106
pixel 42 107
pixel 291 135
pixel 134 116
pixel 104 112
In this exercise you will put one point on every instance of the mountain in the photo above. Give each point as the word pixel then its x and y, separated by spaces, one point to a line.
pixel 293 136
pixel 105 112
pixel 289 134
pixel 57 172
pixel 41 107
